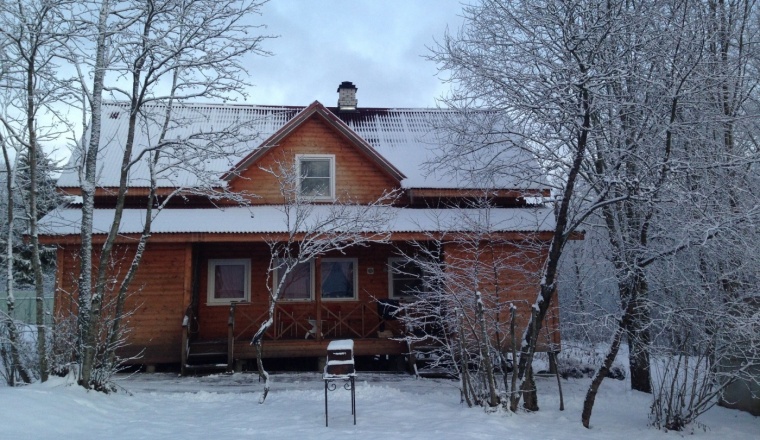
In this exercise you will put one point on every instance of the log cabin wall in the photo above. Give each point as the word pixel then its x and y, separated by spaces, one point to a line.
pixel 357 178
pixel 156 300
pixel 212 318
pixel 505 273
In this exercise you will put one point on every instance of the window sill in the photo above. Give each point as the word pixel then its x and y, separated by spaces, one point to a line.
pixel 228 302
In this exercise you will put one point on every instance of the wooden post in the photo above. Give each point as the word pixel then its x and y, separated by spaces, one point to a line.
pixel 230 336
pixel 187 297
pixel 318 295
pixel 187 287
pixel 183 355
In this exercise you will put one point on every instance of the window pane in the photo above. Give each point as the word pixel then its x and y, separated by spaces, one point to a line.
pixel 229 281
pixel 315 168
pixel 337 279
pixel 297 283
pixel 407 278
pixel 315 186
pixel 316 178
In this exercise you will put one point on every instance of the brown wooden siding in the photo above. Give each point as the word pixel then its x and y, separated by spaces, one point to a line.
pixel 508 273
pixel 163 290
pixel 356 178
pixel 156 297
pixel 212 319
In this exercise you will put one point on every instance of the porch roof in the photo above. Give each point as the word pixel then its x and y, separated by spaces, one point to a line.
pixel 273 219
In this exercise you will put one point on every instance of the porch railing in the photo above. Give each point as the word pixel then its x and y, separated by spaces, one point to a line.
pixel 297 321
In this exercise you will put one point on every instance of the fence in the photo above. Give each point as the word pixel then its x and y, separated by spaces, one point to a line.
pixel 26 306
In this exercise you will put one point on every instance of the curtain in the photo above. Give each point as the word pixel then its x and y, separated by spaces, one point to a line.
pixel 229 281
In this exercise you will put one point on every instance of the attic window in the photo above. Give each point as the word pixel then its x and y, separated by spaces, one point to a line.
pixel 316 176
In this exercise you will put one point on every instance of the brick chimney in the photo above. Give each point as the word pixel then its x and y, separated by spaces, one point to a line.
pixel 347 96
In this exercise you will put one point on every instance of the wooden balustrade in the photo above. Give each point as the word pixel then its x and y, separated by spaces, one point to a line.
pixel 300 321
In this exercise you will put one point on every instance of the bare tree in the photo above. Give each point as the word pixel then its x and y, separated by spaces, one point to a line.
pixel 656 221
pixel 313 230
pixel 544 67
pixel 607 96
pixel 9 339
pixel 474 279
pixel 33 31
pixel 154 54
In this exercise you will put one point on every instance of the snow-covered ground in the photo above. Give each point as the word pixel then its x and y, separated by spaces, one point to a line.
pixel 164 406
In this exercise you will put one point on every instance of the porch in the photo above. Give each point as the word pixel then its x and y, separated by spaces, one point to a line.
pixel 298 330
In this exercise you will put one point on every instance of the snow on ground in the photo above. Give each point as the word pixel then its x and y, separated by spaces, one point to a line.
pixel 167 407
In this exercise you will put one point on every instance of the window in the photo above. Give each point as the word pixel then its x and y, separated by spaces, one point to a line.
pixel 316 176
pixel 298 284
pixel 404 278
pixel 339 278
pixel 229 281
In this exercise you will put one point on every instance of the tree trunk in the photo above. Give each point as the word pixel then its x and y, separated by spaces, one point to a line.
pixel 596 382
pixel 485 353
pixel 33 233
pixel 637 331
pixel 262 372
pixel 560 235
pixel 15 359
pixel 528 389
pixel 514 394
pixel 87 302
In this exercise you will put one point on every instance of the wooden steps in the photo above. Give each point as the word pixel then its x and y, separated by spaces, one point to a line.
pixel 206 357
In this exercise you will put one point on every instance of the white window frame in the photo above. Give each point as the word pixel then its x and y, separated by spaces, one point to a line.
pixel 331 159
pixel 391 272
pixel 212 263
pixel 355 262
pixel 275 280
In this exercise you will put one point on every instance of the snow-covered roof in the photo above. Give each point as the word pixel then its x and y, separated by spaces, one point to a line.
pixel 272 219
pixel 210 139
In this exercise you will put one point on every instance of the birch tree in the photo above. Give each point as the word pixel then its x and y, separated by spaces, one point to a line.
pixel 33 31
pixel 153 54
pixel 9 335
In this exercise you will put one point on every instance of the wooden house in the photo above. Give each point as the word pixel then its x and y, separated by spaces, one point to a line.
pixel 202 284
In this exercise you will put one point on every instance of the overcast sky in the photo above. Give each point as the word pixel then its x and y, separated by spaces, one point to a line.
pixel 377 44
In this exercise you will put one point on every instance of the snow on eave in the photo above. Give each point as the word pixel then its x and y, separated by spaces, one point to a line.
pixel 271 219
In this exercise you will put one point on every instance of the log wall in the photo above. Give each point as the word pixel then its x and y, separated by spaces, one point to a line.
pixel 155 303
pixel 504 273
pixel 356 177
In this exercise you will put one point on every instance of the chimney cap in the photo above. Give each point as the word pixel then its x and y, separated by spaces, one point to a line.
pixel 346 85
